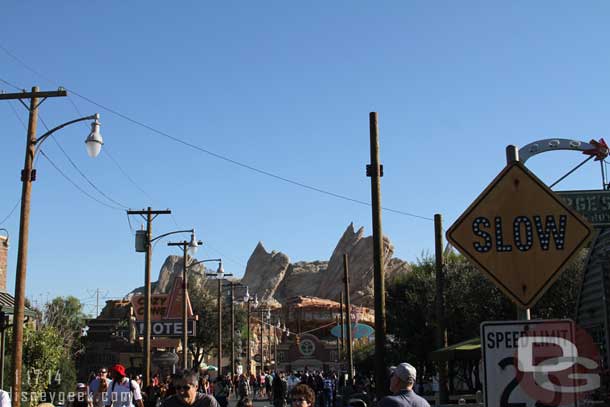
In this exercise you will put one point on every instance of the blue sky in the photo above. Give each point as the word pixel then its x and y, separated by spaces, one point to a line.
pixel 285 87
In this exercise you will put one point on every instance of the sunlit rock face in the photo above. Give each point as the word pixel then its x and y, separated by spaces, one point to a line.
pixel 274 279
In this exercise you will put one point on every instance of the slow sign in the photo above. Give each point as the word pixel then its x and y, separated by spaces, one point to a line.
pixel 520 234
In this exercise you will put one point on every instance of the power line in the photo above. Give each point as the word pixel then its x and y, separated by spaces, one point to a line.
pixel 10 84
pixel 10 213
pixel 131 180
pixel 76 185
pixel 105 151
pixel 82 174
pixel 216 155
pixel 240 164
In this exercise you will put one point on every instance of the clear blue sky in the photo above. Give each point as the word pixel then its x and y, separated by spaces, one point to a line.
pixel 285 87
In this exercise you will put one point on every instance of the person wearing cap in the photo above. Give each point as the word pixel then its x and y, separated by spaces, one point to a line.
pixel 81 396
pixel 186 385
pixel 402 379
pixel 123 392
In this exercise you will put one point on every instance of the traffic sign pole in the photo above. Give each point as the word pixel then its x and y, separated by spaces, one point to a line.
pixel 512 155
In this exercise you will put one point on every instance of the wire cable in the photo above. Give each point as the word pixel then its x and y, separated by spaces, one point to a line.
pixel 76 185
pixel 571 171
pixel 82 174
pixel 10 84
pixel 216 155
pixel 10 213
pixel 131 180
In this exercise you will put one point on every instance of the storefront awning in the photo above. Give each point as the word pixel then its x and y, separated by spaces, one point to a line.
pixel 467 350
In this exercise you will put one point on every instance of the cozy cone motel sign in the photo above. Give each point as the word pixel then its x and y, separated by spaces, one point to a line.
pixel 519 234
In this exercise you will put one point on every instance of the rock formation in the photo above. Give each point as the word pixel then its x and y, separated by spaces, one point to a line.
pixel 273 278
pixel 264 272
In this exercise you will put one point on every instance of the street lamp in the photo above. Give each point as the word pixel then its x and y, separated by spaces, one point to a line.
pixel 144 243
pixel 28 174
pixel 219 275
pixel 248 300
pixel 187 247
pixel 265 314
pixel 232 286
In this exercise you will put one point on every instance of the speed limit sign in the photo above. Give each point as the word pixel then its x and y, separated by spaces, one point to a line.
pixel 538 363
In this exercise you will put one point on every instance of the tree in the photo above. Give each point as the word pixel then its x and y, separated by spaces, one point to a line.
pixel 66 315
pixel 42 353
pixel 204 302
pixel 470 299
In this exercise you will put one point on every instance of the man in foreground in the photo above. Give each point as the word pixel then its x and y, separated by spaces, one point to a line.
pixel 402 380
pixel 186 385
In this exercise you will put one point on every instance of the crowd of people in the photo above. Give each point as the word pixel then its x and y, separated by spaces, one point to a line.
pixel 113 388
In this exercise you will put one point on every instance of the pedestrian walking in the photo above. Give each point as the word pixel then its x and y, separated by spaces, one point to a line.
pixel 402 379
pixel 98 388
pixel 279 388
pixel 123 392
pixel 221 391
pixel 187 394
pixel 243 387
pixel 302 396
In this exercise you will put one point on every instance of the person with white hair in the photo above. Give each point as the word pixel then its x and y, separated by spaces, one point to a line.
pixel 402 379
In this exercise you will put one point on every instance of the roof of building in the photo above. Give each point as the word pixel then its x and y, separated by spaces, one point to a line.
pixel 116 309
pixel 322 303
pixel 7 304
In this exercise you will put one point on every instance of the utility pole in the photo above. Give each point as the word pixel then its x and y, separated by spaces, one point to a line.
pixel 375 171
pixel 350 358
pixel 249 361
pixel 232 286
pixel 342 349
pixel 185 259
pixel 261 339
pixel 149 214
pixel 441 331
pixel 28 175
pixel 219 276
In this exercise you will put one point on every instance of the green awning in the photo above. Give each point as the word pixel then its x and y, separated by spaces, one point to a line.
pixel 467 350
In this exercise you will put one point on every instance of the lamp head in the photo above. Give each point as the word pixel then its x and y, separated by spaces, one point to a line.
pixel 268 314
pixel 193 245
pixel 256 300
pixel 220 273
pixel 278 325
pixel 246 295
pixel 94 141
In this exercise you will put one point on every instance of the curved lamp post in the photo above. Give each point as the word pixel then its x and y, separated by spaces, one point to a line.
pixel 148 244
pixel 219 275
pixel 232 285
pixel 187 248
pixel 94 144
pixel 248 300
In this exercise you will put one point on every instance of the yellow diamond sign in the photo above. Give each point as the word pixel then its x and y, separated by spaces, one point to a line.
pixel 519 234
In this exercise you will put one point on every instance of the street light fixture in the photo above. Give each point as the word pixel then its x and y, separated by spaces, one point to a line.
pixel 232 286
pixel 28 175
pixel 219 275
pixel 187 247
pixel 265 313
pixel 144 243
pixel 249 300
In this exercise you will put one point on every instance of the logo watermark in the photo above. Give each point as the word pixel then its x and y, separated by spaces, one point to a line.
pixel 556 366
